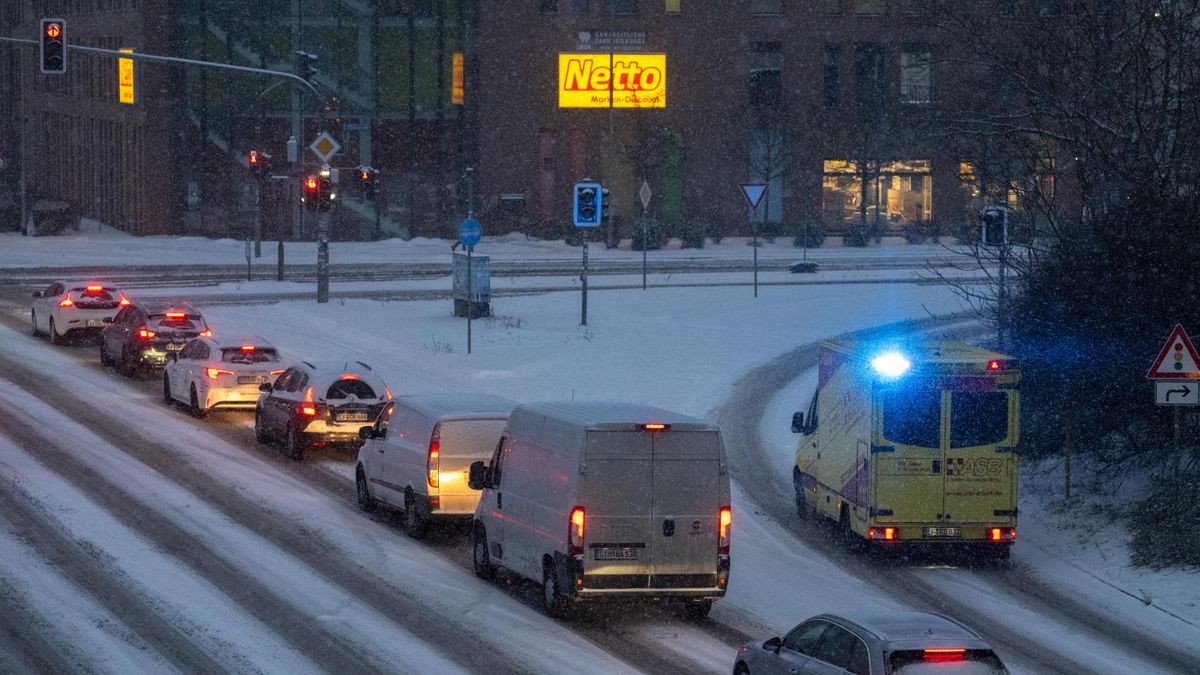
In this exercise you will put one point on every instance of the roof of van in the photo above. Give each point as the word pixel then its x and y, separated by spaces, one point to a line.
pixel 919 350
pixel 440 405
pixel 611 415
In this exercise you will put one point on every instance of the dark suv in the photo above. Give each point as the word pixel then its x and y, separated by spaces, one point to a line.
pixel 316 403
pixel 142 334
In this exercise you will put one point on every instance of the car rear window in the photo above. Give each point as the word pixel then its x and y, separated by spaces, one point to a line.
pixel 912 416
pixel 345 388
pixel 973 662
pixel 978 418
pixel 105 298
pixel 239 355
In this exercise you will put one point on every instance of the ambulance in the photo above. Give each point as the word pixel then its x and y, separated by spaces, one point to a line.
pixel 912 442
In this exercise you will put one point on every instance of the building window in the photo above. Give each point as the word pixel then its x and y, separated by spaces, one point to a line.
pixel 549 6
pixel 766 75
pixel 620 6
pixel 916 7
pixel 870 80
pixel 887 194
pixel 1048 8
pixel 915 76
pixel 580 6
pixel 870 7
pixel 1006 7
pixel 831 7
pixel 766 6
pixel 833 75
pixel 673 6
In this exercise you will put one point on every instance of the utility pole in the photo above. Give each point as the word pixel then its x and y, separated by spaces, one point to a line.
pixel 298 134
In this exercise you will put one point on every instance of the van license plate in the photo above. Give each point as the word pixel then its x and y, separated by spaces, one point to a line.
pixel 615 554
pixel 943 532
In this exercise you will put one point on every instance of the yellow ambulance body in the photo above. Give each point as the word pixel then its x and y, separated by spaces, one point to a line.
pixel 912 442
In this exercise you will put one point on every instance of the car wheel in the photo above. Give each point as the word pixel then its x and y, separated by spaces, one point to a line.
pixel 167 398
pixel 695 610
pixel 801 504
pixel 33 320
pixel 260 432
pixel 414 524
pixel 554 603
pixel 55 338
pixel 741 669
pixel 481 560
pixel 197 411
pixel 126 364
pixel 853 542
pixel 294 444
pixel 365 501
pixel 104 360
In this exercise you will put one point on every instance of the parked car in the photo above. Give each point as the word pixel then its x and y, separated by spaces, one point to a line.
pixel 316 403
pixel 897 643
pixel 145 331
pixel 606 501
pixel 64 308
pixel 417 455
pixel 209 373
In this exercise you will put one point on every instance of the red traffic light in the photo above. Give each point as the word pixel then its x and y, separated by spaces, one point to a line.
pixel 311 184
pixel 364 175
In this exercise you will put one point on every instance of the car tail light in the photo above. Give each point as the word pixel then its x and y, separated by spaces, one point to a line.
pixel 276 372
pixel 207 332
pixel 387 390
pixel 655 426
pixel 1002 534
pixel 176 316
pixel 248 348
pixel 308 407
pixel 433 466
pixel 348 376
pixel 214 373
pixel 145 333
pixel 125 301
pixel 575 529
pixel 94 288
pixel 66 302
pixel 884 533
pixel 724 523
pixel 943 655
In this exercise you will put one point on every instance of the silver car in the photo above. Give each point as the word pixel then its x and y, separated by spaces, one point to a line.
pixel 882 643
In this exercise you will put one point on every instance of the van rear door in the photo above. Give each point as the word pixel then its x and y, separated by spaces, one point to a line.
pixel 909 471
pixel 686 508
pixel 616 490
pixel 980 465
pixel 461 442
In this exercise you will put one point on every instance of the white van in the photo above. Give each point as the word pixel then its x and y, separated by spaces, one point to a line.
pixel 606 500
pixel 417 454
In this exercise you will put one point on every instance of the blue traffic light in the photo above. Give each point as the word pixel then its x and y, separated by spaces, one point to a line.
pixel 589 204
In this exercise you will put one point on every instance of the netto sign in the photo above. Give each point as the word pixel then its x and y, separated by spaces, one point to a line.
pixel 633 80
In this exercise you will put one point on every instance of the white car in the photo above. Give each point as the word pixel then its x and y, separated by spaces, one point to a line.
pixel 73 307
pixel 209 373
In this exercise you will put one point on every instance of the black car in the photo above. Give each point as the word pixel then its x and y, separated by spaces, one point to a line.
pixel 319 403
pixel 143 333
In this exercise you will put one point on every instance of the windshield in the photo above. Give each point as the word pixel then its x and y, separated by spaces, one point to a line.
pixel 912 416
pixel 978 418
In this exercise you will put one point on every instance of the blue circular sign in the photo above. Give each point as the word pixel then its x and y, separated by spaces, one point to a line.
pixel 470 231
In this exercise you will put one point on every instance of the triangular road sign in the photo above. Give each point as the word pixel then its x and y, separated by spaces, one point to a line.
pixel 1177 360
pixel 754 193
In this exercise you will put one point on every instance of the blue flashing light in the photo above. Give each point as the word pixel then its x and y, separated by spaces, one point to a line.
pixel 891 364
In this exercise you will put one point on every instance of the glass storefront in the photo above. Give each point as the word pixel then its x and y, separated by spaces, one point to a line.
pixel 895 193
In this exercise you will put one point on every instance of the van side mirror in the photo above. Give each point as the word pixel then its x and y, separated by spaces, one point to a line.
pixel 798 423
pixel 477 476
pixel 773 645
pixel 366 433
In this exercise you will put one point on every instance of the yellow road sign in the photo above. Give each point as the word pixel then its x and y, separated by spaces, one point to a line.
pixel 125 79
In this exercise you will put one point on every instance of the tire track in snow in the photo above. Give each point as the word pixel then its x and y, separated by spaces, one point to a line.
pixel 24 647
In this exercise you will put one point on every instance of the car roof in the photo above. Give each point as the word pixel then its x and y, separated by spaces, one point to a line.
pixel 324 373
pixel 453 404
pixel 598 415
pixel 906 625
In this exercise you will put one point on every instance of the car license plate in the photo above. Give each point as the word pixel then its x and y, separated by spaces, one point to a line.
pixel 351 417
pixel 252 379
pixel 943 532
pixel 174 346
pixel 615 554
pixel 94 323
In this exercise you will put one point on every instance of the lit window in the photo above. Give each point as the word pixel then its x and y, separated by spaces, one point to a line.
pixel 674 6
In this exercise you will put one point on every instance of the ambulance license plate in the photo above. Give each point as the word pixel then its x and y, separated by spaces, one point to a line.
pixel 615 554
pixel 943 532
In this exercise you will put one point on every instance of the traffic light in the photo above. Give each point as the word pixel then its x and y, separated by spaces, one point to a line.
pixel 312 193
pixel 306 65
pixel 368 181
pixel 993 223
pixel 604 203
pixel 324 194
pixel 254 162
pixel 54 46
pixel 588 204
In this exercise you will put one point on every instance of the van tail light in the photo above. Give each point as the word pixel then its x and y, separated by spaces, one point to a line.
pixel 207 332
pixel 883 533
pixel 724 523
pixel 145 333
pixel 944 655
pixel 1002 534
pixel 433 466
pixel 575 529
pixel 214 373
pixel 66 302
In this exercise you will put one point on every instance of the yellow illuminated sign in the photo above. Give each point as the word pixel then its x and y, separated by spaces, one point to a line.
pixel 633 80
pixel 125 78
pixel 457 80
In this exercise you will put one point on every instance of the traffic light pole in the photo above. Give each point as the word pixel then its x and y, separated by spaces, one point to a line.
pixel 583 278
pixel 323 257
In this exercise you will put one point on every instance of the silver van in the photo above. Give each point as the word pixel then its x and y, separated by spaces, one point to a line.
pixel 606 500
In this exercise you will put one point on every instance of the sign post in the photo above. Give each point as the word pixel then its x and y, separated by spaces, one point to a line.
pixel 754 193
pixel 1176 375
pixel 587 213
pixel 644 195
pixel 470 231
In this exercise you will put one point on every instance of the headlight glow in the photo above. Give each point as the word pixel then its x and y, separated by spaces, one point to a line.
pixel 891 364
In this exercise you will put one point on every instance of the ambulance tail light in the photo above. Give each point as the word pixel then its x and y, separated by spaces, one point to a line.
pixel 1000 534
pixel 883 533
pixel 575 530
pixel 433 462
pixel 724 524
pixel 945 654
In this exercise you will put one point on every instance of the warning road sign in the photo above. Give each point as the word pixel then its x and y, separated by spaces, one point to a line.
pixel 1177 360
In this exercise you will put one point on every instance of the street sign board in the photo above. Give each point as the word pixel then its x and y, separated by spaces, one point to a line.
pixel 324 146
pixel 1177 360
pixel 754 193
pixel 1174 392
pixel 644 194
pixel 470 231
pixel 125 79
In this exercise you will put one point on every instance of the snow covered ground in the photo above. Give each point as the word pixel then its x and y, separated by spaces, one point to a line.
pixel 679 348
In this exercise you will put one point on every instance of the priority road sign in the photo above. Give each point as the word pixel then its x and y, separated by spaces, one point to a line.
pixel 1174 392
pixel 324 146
pixel 754 193
pixel 1177 360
